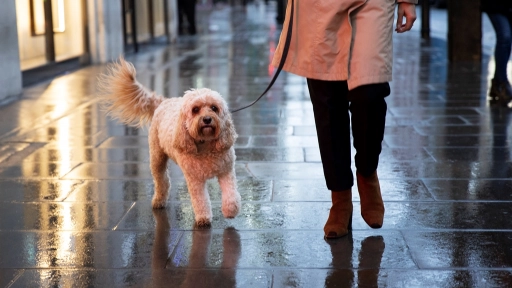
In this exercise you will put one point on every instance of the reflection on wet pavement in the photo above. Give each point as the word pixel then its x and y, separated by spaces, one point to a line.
pixel 75 186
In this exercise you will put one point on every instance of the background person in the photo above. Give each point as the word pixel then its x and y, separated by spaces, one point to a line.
pixel 500 14
pixel 187 9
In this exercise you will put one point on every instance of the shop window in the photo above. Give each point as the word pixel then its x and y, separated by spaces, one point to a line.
pixel 38 17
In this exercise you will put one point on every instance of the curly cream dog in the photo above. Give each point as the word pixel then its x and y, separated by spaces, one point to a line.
pixel 195 131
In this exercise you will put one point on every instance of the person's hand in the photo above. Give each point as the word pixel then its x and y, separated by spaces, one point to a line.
pixel 407 11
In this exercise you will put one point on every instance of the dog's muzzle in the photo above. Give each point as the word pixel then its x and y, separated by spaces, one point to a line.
pixel 207 126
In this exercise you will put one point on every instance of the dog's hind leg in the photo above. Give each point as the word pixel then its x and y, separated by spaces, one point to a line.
pixel 231 200
pixel 158 164
pixel 200 201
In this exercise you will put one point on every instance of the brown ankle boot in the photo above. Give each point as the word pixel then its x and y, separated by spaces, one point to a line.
pixel 340 216
pixel 372 207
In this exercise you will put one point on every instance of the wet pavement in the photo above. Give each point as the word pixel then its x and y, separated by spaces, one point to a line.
pixel 75 186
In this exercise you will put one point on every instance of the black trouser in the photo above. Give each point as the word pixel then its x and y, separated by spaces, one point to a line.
pixel 331 105
pixel 187 8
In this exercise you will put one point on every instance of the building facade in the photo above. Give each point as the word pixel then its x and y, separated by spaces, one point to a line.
pixel 81 32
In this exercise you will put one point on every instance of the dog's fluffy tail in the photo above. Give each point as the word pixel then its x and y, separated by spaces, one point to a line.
pixel 124 98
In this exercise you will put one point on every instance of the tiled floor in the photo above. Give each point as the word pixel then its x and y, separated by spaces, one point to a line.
pixel 75 186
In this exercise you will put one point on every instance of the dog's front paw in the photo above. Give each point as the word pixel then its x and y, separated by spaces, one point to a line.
pixel 158 203
pixel 203 222
pixel 231 207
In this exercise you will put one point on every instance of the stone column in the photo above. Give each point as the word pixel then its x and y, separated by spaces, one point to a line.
pixel 10 74
pixel 105 30
pixel 464 31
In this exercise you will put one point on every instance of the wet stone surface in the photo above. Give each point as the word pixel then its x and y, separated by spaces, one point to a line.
pixel 76 188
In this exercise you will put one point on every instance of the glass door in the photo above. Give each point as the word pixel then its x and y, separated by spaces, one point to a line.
pixel 50 31
pixel 69 33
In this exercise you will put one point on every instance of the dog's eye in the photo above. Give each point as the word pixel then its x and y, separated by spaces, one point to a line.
pixel 195 110
pixel 215 109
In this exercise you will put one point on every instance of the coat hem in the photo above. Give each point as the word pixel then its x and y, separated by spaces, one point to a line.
pixel 331 76
pixel 352 83
pixel 365 80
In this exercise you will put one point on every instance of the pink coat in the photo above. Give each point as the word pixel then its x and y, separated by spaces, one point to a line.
pixel 340 40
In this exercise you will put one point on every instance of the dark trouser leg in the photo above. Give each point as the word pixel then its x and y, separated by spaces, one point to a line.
pixel 330 106
pixel 368 109
pixel 503 28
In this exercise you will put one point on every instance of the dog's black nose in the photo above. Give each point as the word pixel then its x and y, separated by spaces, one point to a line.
pixel 207 120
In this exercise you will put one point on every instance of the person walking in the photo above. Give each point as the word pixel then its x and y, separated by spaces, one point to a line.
pixel 344 49
pixel 187 9
pixel 500 14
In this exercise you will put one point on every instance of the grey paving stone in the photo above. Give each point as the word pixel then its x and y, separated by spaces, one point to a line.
pixel 36 190
pixel 57 216
pixel 150 277
pixel 87 250
pixel 284 249
pixel 461 249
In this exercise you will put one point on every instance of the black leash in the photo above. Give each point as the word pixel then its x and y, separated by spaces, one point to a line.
pixel 281 64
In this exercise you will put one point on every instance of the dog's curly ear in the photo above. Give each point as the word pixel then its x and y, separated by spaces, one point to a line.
pixel 227 135
pixel 181 140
